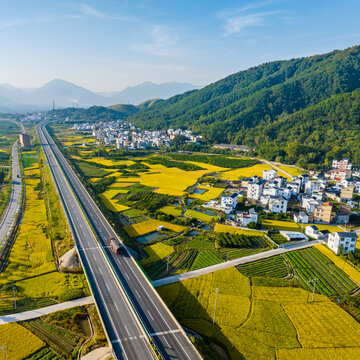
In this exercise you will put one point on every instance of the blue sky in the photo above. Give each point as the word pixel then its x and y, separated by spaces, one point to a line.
pixel 108 45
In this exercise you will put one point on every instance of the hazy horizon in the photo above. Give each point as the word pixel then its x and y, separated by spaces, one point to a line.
pixel 110 45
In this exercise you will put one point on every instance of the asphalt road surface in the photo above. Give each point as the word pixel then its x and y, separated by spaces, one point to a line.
pixel 124 332
pixel 167 334
pixel 15 196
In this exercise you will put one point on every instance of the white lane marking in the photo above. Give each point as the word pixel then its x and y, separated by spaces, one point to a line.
pixel 100 271
pixel 127 330
pixel 116 307
pixel 137 293
pixel 167 344
pixel 127 276
pixel 150 315
pixel 160 333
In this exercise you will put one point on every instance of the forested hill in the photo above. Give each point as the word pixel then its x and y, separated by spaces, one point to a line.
pixel 322 132
pixel 226 110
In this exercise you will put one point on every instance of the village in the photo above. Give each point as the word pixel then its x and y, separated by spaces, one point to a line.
pixel 126 136
pixel 323 198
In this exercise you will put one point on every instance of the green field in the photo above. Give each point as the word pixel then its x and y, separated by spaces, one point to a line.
pixel 273 267
pixel 205 258
pixel 311 263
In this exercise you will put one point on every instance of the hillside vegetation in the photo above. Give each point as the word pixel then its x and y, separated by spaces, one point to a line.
pixel 301 101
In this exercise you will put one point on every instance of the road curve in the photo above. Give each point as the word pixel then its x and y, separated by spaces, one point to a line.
pixel 123 330
pixel 168 336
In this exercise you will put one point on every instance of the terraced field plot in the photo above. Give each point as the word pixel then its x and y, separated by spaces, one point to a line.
pixel 209 194
pixel 233 230
pixel 200 215
pixel 311 263
pixel 245 172
pixel 172 210
pixel 20 342
pixel 150 226
pixel 205 258
pixel 281 322
pixel 347 268
pixel 273 267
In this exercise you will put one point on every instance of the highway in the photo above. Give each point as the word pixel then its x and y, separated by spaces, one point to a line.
pixel 123 330
pixel 15 196
pixel 167 334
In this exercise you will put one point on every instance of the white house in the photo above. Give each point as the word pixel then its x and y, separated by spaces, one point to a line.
pixel 343 164
pixel 309 204
pixel 313 232
pixel 269 174
pixel 347 240
pixel 312 186
pixel 255 190
pixel 229 202
pixel 301 217
pixel 244 218
pixel 278 204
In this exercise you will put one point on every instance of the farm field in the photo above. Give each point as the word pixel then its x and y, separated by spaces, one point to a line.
pixel 209 194
pixel 233 230
pixel 212 168
pixel 112 204
pixel 347 268
pixel 281 225
pixel 245 172
pixel 150 226
pixel 291 170
pixel 200 216
pixel 31 262
pixel 171 210
pixel 20 342
pixel 205 258
pixel 273 267
pixel 156 252
pixel 311 263
pixel 275 321
pixel 109 162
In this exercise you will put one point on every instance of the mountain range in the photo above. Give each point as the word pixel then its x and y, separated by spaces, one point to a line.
pixel 66 94
pixel 304 111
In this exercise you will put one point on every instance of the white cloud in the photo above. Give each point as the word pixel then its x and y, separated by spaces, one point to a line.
pixel 88 10
pixel 237 20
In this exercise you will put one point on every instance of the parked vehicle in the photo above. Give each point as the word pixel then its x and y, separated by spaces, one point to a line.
pixel 116 246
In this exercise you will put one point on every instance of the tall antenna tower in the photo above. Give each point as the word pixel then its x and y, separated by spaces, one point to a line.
pixel 53 105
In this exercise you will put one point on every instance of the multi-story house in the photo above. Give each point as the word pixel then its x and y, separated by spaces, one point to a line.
pixel 343 164
pixel 269 174
pixel 278 204
pixel 229 202
pixel 323 213
pixel 312 186
pixel 254 190
pixel 245 218
pixel 342 240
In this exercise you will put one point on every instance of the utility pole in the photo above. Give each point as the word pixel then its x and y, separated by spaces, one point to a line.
pixel 167 266
pixel 216 293
pixel 3 348
pixel 14 288
pixel 314 280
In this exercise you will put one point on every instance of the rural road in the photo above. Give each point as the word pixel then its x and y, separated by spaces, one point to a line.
pixel 15 196
pixel 32 314
pixel 235 262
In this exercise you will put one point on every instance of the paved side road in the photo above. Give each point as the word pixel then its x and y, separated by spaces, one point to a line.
pixel 235 262
pixel 27 315
pixel 15 196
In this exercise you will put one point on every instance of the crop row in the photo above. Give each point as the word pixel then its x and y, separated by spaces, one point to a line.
pixel 309 265
pixel 204 259
pixel 272 267
pixel 43 354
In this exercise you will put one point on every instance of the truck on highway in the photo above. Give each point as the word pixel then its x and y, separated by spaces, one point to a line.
pixel 116 246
